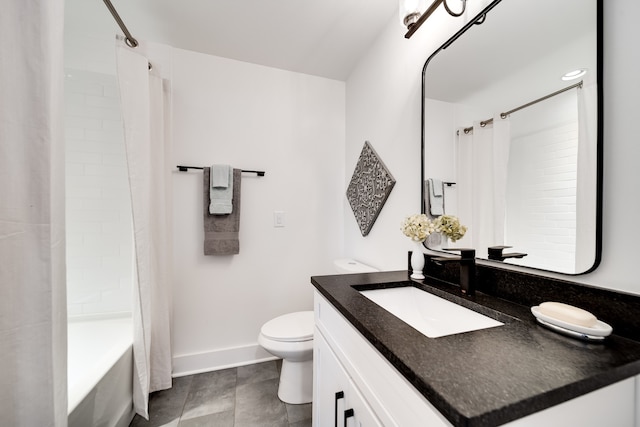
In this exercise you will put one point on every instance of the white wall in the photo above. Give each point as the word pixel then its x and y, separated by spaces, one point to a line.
pixel 98 208
pixel 293 127
pixel 383 106
pixel 621 150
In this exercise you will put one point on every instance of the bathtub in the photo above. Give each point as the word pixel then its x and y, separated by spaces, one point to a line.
pixel 100 372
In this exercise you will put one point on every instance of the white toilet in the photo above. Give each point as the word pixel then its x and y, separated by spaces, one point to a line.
pixel 290 337
pixel 348 265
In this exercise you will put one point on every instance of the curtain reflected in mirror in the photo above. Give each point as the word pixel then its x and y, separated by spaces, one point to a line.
pixel 521 144
pixel 482 157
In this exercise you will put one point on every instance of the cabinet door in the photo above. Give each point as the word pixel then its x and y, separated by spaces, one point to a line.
pixel 337 402
pixel 363 415
pixel 613 405
pixel 330 385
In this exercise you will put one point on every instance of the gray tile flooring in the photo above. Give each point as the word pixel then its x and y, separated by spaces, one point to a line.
pixel 246 396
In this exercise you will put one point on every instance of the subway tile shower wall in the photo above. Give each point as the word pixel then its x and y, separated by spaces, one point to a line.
pixel 98 208
pixel 542 195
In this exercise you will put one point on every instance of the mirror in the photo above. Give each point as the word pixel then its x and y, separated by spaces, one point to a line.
pixel 530 179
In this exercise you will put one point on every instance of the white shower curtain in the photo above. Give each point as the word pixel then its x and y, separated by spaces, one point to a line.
pixel 145 99
pixel 482 158
pixel 33 317
pixel 586 194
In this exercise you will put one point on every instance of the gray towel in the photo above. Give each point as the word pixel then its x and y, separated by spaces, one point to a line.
pixel 220 176
pixel 436 197
pixel 221 231
pixel 436 187
pixel 221 190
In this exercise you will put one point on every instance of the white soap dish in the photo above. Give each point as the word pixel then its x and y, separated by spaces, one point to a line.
pixel 570 333
pixel 597 332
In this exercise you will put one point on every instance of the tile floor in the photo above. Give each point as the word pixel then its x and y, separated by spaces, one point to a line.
pixel 246 396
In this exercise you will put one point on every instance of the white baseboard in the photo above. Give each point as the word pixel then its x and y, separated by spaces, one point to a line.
pixel 196 363
pixel 126 417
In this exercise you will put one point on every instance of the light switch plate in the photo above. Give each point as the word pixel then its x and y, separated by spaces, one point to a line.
pixel 279 218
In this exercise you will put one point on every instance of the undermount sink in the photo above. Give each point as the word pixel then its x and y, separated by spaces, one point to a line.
pixel 429 314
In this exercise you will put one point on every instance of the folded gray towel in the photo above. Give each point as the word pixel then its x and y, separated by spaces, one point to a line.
pixel 436 187
pixel 221 231
pixel 436 197
pixel 220 176
pixel 221 190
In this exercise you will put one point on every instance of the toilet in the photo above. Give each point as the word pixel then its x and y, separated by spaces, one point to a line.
pixel 290 337
pixel 349 266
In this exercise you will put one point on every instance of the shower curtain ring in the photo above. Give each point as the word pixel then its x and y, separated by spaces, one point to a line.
pixel 131 42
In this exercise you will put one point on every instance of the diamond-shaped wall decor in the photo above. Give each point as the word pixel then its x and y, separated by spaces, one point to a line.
pixel 369 188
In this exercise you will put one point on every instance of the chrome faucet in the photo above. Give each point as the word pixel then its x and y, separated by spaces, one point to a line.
pixel 467 260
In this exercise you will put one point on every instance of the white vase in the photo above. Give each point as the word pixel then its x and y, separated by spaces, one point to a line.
pixel 417 261
pixel 439 242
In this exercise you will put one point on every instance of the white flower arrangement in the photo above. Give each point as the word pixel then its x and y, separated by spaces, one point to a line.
pixel 417 227
pixel 449 225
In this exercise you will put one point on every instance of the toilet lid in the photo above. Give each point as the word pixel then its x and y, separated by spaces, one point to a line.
pixel 290 327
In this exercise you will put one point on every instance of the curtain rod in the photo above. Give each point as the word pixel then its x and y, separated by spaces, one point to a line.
pixel 185 168
pixel 129 39
pixel 528 104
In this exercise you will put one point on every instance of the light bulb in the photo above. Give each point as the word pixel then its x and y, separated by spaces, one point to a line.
pixel 574 74
pixel 410 11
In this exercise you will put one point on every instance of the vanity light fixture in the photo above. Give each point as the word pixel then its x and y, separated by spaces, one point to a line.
pixel 574 74
pixel 412 17
pixel 410 11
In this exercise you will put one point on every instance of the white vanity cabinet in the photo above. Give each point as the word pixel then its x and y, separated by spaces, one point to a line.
pixel 344 361
pixel 337 400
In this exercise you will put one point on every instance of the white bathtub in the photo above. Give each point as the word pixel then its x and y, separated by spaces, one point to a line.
pixel 100 372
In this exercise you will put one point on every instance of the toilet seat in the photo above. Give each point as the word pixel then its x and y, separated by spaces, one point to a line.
pixel 292 327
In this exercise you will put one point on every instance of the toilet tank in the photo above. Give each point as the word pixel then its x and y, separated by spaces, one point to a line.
pixel 348 265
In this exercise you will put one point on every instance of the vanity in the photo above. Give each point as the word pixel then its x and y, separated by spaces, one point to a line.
pixel 373 369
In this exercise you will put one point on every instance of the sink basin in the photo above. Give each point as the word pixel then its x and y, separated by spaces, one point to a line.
pixel 431 315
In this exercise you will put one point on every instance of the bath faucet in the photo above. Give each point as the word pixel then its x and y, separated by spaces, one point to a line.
pixel 467 260
pixel 495 253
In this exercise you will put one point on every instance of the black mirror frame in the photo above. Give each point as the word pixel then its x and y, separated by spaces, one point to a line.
pixel 477 20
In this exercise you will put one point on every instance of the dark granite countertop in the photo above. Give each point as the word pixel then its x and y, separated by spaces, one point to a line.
pixel 486 377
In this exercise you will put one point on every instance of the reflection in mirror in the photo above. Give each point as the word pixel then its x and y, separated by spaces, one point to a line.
pixel 529 179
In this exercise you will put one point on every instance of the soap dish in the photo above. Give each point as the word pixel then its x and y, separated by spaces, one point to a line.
pixel 596 332
pixel 570 333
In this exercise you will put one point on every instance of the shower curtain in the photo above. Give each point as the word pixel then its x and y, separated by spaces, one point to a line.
pixel 586 194
pixel 482 158
pixel 33 317
pixel 145 99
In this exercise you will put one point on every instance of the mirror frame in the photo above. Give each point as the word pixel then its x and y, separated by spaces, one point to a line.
pixel 479 20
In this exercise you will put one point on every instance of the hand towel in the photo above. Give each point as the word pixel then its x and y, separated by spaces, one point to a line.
pixel 220 176
pixel 436 197
pixel 221 190
pixel 221 231
pixel 436 187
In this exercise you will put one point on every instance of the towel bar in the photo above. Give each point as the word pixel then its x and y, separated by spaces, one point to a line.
pixel 185 168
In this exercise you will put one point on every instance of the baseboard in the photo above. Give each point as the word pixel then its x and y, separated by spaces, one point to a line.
pixel 126 417
pixel 195 363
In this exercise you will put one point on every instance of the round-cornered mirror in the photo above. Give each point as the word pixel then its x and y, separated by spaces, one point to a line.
pixel 512 146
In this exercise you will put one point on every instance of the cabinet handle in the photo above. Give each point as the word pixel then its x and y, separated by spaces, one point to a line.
pixel 348 413
pixel 339 395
